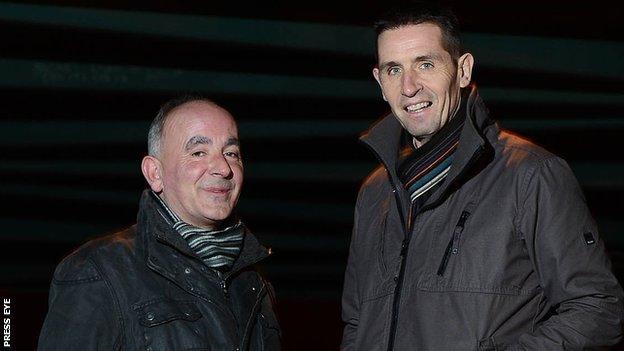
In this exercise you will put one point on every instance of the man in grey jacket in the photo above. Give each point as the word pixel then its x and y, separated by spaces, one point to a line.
pixel 466 237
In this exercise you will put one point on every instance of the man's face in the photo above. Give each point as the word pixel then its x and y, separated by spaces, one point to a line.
pixel 419 79
pixel 201 165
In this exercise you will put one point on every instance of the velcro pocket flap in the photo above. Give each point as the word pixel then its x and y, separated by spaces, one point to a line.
pixel 162 311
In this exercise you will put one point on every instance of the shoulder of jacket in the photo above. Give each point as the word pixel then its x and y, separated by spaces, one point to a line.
pixel 521 152
pixel 82 265
pixel 532 162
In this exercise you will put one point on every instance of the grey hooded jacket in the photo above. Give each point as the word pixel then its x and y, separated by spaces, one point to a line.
pixel 503 256
pixel 145 289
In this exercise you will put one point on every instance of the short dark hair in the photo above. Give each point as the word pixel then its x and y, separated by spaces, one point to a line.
pixel 154 135
pixel 418 12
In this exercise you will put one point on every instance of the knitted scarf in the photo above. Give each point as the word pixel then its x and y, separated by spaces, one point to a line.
pixel 218 249
pixel 426 167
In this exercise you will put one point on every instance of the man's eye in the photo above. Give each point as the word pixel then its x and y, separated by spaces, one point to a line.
pixel 393 71
pixel 232 154
pixel 426 65
pixel 198 154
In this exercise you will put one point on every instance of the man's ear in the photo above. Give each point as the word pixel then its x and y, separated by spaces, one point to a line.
pixel 376 75
pixel 464 69
pixel 152 171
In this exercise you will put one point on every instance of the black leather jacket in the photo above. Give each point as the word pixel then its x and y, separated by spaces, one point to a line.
pixel 144 289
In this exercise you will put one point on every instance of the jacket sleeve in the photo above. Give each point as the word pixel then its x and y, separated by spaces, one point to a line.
pixel 350 296
pixel 82 313
pixel 579 289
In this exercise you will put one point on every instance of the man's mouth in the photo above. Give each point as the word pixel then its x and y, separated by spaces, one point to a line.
pixel 412 108
pixel 217 190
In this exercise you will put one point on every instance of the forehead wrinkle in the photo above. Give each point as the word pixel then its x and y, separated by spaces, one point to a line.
pixel 428 56
pixel 196 140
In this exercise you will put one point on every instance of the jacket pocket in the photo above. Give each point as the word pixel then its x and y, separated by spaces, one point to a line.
pixel 452 248
pixel 166 324
pixel 160 312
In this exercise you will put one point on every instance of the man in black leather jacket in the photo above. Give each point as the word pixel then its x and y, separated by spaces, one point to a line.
pixel 183 277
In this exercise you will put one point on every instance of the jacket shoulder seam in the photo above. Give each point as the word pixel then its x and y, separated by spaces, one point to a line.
pixel 76 281
pixel 527 180
pixel 530 148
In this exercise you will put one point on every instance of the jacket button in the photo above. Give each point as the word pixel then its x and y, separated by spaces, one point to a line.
pixel 150 316
pixel 396 279
pixel 187 270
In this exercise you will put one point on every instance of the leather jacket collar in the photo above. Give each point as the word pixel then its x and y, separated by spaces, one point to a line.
pixel 154 232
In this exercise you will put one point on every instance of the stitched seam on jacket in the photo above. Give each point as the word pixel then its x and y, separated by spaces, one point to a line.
pixel 479 290
pixel 377 295
pixel 121 335
pixel 137 305
pixel 76 281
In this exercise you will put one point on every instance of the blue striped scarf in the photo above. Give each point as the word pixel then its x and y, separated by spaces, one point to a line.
pixel 425 168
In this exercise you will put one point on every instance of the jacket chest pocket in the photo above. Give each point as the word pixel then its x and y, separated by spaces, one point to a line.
pixel 171 324
pixel 480 252
pixel 452 248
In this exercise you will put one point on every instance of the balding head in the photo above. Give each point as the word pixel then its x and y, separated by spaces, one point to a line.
pixel 155 133
pixel 195 165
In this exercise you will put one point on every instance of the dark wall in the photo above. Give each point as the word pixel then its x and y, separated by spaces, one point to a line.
pixel 80 82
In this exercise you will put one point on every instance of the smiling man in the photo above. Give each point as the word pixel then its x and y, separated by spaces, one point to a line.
pixel 183 277
pixel 466 237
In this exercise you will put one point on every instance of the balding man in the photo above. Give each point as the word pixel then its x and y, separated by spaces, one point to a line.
pixel 183 277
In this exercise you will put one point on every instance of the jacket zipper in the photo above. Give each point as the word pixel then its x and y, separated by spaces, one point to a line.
pixel 224 288
pixel 399 285
pixel 405 246
pixel 453 246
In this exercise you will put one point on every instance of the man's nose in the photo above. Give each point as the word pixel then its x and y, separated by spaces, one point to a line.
pixel 220 167
pixel 410 84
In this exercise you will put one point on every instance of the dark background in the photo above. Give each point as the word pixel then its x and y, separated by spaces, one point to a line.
pixel 80 81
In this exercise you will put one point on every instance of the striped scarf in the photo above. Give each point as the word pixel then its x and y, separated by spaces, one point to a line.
pixel 218 249
pixel 426 167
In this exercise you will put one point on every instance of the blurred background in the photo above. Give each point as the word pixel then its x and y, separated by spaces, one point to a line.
pixel 81 80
